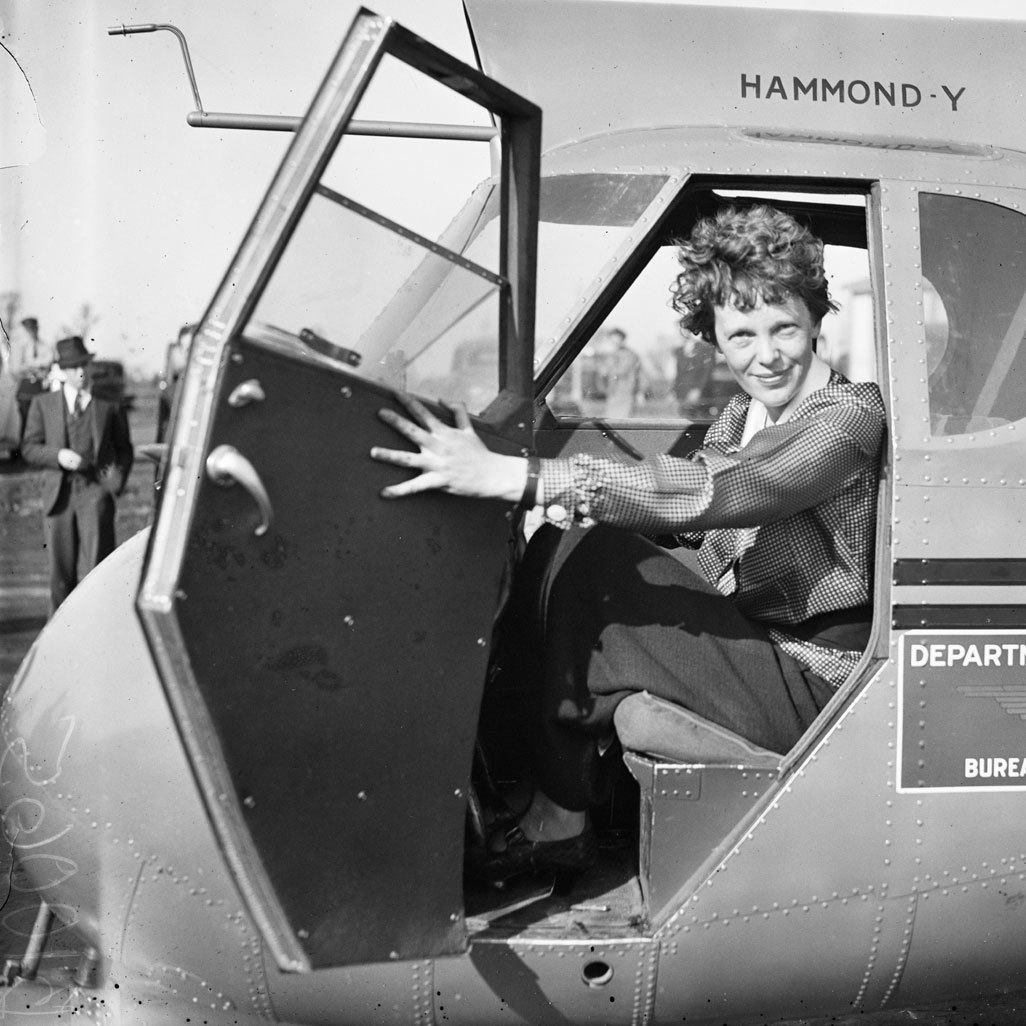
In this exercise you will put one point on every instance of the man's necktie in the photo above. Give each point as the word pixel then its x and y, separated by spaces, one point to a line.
pixel 76 406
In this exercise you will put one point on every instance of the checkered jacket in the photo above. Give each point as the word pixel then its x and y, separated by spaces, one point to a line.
pixel 784 526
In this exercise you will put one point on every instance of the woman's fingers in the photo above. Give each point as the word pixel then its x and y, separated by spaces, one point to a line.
pixel 422 483
pixel 419 411
pixel 406 428
pixel 411 460
pixel 450 459
pixel 459 410
pixel 397 457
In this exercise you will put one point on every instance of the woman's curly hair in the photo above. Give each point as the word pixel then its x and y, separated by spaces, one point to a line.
pixel 743 256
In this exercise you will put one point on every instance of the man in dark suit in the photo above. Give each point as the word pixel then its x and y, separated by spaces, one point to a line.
pixel 84 444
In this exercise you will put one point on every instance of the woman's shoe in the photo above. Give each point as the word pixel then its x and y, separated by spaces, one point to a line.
pixel 522 855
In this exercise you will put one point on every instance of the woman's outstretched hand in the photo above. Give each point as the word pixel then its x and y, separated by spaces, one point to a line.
pixel 451 459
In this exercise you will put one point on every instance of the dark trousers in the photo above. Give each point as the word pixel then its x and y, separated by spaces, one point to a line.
pixel 80 526
pixel 597 614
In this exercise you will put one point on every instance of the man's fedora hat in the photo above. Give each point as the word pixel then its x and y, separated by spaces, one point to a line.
pixel 71 352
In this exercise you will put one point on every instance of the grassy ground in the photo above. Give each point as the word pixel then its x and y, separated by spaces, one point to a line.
pixel 23 567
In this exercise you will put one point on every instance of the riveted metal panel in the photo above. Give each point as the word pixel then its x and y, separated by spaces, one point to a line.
pixel 986 596
pixel 742 962
pixel 969 932
pixel 117 836
pixel 209 929
pixel 724 151
pixel 390 994
pixel 834 848
pixel 677 783
pixel 833 815
pixel 686 812
pixel 543 981
pixel 969 520
pixel 641 65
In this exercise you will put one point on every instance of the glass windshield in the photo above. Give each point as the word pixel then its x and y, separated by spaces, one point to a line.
pixel 390 305
pixel 423 315
pixel 974 305
pixel 585 219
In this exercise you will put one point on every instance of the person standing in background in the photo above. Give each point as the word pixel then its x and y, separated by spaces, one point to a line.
pixel 622 376
pixel 30 362
pixel 10 417
pixel 694 361
pixel 84 445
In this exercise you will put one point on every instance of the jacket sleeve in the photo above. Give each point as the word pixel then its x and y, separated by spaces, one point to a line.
pixel 117 462
pixel 34 449
pixel 123 446
pixel 784 469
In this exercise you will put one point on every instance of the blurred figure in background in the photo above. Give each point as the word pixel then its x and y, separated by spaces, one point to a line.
pixel 174 366
pixel 623 376
pixel 30 362
pixel 694 364
pixel 10 417
pixel 84 445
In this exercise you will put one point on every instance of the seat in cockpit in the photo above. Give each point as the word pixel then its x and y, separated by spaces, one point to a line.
pixel 666 731
pixel 697 781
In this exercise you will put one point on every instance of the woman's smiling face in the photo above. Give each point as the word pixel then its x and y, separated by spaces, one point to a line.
pixel 768 348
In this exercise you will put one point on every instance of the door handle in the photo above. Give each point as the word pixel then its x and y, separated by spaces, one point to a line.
pixel 226 466
pixel 155 451
pixel 245 393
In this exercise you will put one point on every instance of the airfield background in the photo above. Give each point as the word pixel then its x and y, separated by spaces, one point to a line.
pixel 109 200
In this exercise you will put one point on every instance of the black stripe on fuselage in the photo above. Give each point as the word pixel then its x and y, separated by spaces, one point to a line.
pixel 959 617
pixel 960 571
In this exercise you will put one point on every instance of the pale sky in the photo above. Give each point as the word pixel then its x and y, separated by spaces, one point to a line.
pixel 108 198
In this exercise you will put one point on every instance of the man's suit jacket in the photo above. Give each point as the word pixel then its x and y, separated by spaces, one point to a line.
pixel 45 435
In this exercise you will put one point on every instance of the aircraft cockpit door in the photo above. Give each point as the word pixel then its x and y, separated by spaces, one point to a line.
pixel 324 650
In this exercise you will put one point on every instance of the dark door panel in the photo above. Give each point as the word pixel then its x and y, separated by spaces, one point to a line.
pixel 340 656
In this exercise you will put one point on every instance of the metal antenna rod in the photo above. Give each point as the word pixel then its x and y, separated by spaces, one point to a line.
pixel 199 118
pixel 131 30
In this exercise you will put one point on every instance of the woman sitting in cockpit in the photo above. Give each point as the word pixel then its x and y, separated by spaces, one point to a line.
pixel 780 502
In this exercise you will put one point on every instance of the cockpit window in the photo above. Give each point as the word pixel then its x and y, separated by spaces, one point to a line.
pixel 974 269
pixel 584 220
pixel 394 306
pixel 422 315
pixel 639 366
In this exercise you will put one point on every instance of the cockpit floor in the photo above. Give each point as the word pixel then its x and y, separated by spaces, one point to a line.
pixel 606 900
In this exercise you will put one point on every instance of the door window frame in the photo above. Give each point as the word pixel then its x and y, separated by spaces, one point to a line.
pixel 369 40
pixel 903 232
